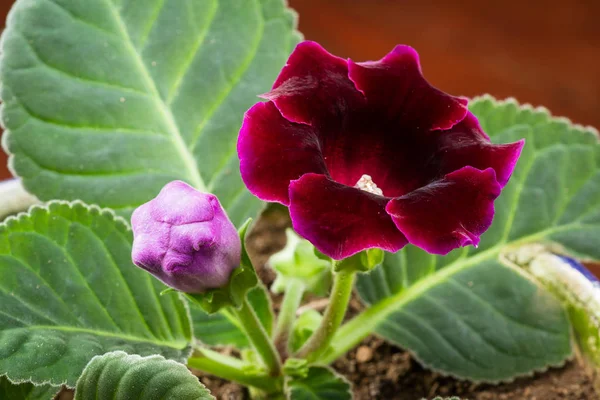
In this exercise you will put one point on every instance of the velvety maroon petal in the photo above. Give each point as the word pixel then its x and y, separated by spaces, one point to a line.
pixel 467 144
pixel 313 88
pixel 449 213
pixel 395 86
pixel 339 220
pixel 274 151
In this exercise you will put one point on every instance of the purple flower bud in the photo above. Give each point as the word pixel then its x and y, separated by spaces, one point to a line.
pixel 185 239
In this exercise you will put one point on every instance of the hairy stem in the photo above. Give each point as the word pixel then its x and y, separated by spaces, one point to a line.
pixel 231 369
pixel 287 314
pixel 259 338
pixel 334 314
pixel 355 330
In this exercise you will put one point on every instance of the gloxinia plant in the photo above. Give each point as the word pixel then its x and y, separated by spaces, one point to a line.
pixel 459 224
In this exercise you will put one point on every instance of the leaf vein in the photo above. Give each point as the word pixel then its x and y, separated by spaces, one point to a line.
pixel 236 78
pixel 81 79
pixel 496 311
pixel 167 114
pixel 173 91
pixel 150 25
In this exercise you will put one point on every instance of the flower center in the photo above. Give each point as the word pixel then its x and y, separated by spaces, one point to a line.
pixel 366 183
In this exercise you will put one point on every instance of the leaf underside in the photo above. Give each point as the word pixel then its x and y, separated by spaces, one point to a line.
pixel 108 100
pixel 69 292
pixel 119 376
pixel 469 314
pixel 26 391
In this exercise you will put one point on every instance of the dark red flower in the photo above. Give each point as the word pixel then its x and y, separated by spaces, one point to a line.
pixel 371 155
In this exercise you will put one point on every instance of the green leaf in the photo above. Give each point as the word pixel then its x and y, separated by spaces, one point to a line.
pixel 304 326
pixel 119 376
pixel 223 328
pixel 364 261
pixel 26 390
pixel 69 292
pixel 296 368
pixel 321 383
pixel 470 315
pixel 297 261
pixel 108 100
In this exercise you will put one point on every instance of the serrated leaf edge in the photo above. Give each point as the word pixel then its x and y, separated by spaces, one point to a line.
pixel 540 109
pixel 122 225
pixel 109 213
pixel 23 381
pixel 138 357
pixel 529 374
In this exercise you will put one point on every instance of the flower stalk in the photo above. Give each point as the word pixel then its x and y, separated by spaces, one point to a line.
pixel 231 369
pixel 334 315
pixel 287 314
pixel 259 338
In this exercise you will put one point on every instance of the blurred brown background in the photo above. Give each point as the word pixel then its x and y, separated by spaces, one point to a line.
pixel 541 52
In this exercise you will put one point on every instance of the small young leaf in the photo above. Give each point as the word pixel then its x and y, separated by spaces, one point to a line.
pixel 468 313
pixel 296 368
pixel 26 390
pixel 119 376
pixel 321 383
pixel 69 291
pixel 304 326
pixel 364 261
pixel 222 328
pixel 107 101
pixel 298 261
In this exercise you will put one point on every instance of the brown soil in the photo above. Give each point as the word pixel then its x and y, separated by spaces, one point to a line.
pixel 381 371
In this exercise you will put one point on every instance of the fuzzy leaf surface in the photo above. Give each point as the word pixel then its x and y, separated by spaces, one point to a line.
pixel 69 291
pixel 119 376
pixel 108 100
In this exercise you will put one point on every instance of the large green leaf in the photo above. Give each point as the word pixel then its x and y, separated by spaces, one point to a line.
pixel 119 376
pixel 69 292
pixel 320 383
pixel 108 100
pixel 26 391
pixel 467 313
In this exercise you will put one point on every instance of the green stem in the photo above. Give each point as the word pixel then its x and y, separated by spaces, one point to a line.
pixel 334 315
pixel 259 338
pixel 231 369
pixel 287 314
pixel 355 330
